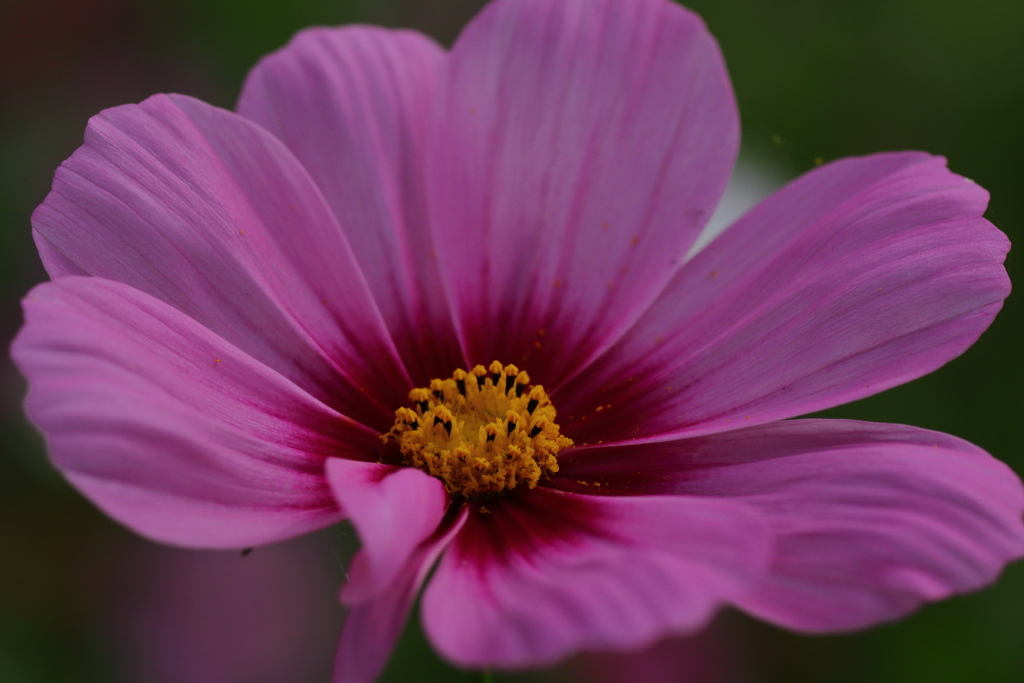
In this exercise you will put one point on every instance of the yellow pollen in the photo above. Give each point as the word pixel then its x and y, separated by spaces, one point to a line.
pixel 481 431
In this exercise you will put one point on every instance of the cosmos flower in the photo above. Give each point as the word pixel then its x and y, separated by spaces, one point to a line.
pixel 444 296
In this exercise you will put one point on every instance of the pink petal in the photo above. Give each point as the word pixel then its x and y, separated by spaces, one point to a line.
pixel 353 104
pixel 861 275
pixel 372 627
pixel 394 510
pixel 211 214
pixel 579 147
pixel 547 573
pixel 871 520
pixel 170 429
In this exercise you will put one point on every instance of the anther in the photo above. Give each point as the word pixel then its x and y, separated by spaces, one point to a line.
pixel 447 425
pixel 510 377
pixel 522 380
pixel 496 367
pixel 437 389
pixel 490 432
pixel 480 372
pixel 421 397
pixel 512 419
pixel 535 395
pixel 443 417
pixel 460 380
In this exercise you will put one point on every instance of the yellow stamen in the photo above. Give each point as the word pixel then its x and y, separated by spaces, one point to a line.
pixel 481 431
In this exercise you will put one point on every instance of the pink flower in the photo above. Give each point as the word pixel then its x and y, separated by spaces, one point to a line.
pixel 243 304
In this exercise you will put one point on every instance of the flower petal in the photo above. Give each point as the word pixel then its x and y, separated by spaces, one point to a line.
pixel 861 275
pixel 579 147
pixel 353 104
pixel 549 573
pixel 168 428
pixel 394 510
pixel 213 215
pixel 372 627
pixel 871 520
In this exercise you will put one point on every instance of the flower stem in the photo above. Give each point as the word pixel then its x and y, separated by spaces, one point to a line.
pixel 486 677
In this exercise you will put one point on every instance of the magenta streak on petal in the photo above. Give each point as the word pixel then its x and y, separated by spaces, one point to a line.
pixel 871 520
pixel 513 528
pixel 578 148
pixel 353 103
pixel 210 213
pixel 394 510
pixel 170 429
pixel 372 627
pixel 861 275
pixel 547 573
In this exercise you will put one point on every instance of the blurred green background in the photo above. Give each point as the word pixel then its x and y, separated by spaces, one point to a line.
pixel 82 600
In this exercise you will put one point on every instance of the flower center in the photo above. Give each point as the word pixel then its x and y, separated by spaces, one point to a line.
pixel 481 431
